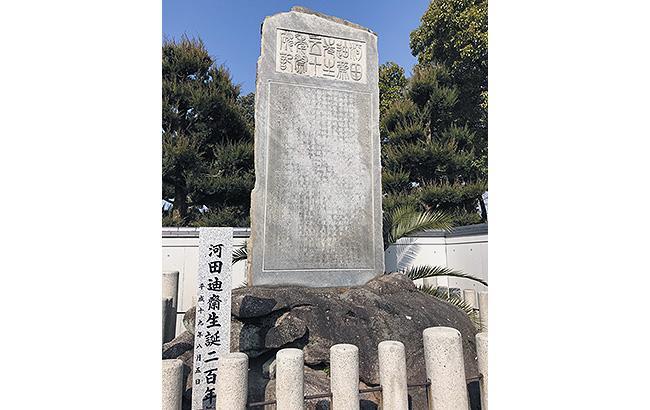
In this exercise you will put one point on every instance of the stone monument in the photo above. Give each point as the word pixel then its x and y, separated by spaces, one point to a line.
pixel 316 206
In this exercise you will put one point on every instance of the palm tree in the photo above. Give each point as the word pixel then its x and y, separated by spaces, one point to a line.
pixel 240 254
pixel 406 220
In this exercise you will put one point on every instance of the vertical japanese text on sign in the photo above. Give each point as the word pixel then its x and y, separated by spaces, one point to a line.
pixel 212 329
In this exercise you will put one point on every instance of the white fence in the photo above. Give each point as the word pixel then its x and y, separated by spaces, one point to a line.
pixel 443 356
pixel 180 253
pixel 463 248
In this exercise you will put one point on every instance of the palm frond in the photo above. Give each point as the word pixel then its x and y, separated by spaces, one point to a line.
pixel 428 271
pixel 406 220
pixel 445 296
pixel 240 254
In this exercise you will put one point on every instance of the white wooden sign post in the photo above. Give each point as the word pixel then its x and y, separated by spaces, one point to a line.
pixel 212 328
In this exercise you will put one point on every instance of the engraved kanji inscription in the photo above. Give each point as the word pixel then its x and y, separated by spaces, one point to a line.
pixel 319 187
pixel 315 55
pixel 212 329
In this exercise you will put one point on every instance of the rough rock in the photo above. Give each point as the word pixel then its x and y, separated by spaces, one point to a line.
pixel 266 319
pixel 386 308
pixel 179 345
pixel 188 365
pixel 288 328
pixel 188 319
pixel 249 339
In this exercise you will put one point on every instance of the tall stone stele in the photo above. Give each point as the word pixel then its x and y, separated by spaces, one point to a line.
pixel 316 206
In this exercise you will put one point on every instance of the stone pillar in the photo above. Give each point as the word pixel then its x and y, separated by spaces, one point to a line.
pixel 167 314
pixel 172 384
pixel 289 377
pixel 392 375
pixel 232 382
pixel 170 291
pixel 344 376
pixel 170 286
pixel 443 356
pixel 483 310
pixel 482 353
pixel 469 295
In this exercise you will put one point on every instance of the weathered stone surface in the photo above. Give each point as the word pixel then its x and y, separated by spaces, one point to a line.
pixel 443 355
pixel 172 382
pixel 170 291
pixel 253 306
pixel 168 316
pixel 188 365
pixel 246 337
pixel 316 381
pixel 287 329
pixel 188 319
pixel 316 205
pixel 344 376
pixel 386 308
pixel 176 347
pixel 232 388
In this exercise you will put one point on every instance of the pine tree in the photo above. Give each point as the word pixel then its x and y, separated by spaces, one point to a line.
pixel 434 138
pixel 429 160
pixel 454 34
pixel 207 144
pixel 392 83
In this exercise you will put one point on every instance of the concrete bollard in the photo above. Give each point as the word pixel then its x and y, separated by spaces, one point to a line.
pixel 289 379
pixel 443 356
pixel 483 310
pixel 392 375
pixel 344 376
pixel 170 286
pixel 172 384
pixel 232 382
pixel 469 295
pixel 170 291
pixel 482 353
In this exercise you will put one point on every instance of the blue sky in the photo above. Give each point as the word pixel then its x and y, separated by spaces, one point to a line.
pixel 231 29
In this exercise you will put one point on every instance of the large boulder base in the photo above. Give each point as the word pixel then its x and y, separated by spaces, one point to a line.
pixel 266 319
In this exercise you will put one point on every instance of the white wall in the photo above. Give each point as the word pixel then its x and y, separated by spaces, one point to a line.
pixel 180 252
pixel 466 251
pixel 463 249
